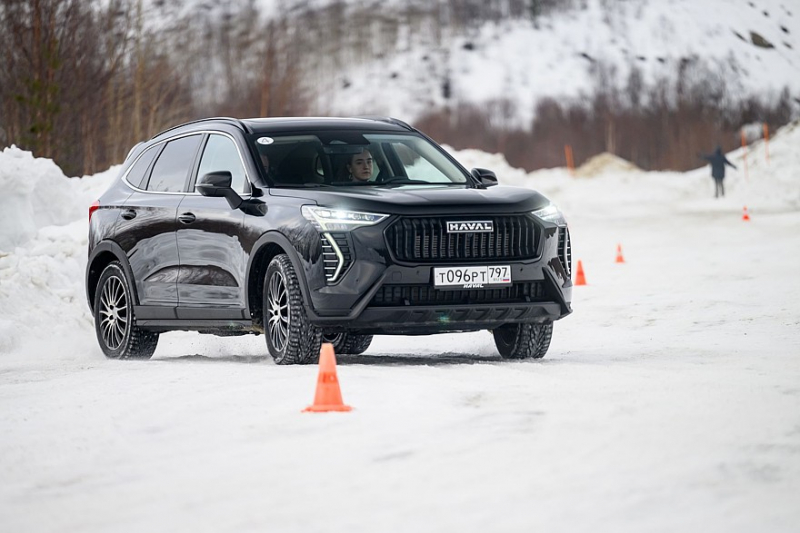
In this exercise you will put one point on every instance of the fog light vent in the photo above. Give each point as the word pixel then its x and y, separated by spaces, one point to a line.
pixel 336 255
pixel 565 249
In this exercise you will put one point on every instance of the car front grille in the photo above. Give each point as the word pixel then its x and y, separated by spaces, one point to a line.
pixel 336 255
pixel 412 295
pixel 426 239
pixel 565 249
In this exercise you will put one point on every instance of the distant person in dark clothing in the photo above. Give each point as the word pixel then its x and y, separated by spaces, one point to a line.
pixel 718 162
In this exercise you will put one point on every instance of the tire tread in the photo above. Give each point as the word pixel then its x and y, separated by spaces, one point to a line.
pixel 305 339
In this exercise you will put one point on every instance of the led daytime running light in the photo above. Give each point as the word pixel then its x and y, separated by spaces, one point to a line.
pixel 327 219
pixel 550 213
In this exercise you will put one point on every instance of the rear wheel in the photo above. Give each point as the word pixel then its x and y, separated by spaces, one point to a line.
pixel 114 322
pixel 291 338
pixel 348 343
pixel 523 341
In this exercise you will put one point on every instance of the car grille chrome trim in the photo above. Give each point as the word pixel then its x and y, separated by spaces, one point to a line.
pixel 426 239
pixel 335 255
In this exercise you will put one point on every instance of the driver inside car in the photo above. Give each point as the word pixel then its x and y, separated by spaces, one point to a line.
pixel 359 167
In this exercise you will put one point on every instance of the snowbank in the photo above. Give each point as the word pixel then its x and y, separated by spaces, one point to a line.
pixel 605 163
pixel 37 194
pixel 43 239
pixel 42 289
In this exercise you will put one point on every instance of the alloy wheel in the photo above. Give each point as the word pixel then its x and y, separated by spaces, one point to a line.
pixel 278 311
pixel 113 313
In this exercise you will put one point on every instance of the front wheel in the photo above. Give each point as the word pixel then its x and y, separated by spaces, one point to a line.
pixel 291 338
pixel 523 341
pixel 114 323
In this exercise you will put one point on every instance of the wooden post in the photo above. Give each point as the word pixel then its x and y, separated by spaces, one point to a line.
pixel 744 148
pixel 766 141
pixel 568 156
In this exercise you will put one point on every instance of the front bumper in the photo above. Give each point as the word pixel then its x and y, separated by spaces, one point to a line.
pixel 378 294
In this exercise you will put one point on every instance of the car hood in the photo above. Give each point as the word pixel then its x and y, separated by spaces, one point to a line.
pixel 414 200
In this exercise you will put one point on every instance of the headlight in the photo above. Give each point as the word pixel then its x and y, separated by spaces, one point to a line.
pixel 327 219
pixel 552 214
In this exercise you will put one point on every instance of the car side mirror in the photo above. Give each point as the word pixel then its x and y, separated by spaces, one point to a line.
pixel 485 177
pixel 218 185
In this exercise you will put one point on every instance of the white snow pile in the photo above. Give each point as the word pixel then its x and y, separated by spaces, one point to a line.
pixel 37 194
pixel 43 239
pixel 605 163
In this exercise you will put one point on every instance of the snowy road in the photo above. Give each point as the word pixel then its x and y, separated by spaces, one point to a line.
pixel 669 401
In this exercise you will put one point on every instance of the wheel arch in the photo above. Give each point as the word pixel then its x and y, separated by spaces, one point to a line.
pixel 103 255
pixel 266 248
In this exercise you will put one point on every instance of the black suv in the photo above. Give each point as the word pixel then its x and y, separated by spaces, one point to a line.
pixel 319 229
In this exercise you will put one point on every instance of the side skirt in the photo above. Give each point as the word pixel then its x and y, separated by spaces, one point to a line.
pixel 206 320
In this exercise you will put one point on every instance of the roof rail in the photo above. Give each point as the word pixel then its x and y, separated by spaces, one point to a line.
pixel 388 120
pixel 234 121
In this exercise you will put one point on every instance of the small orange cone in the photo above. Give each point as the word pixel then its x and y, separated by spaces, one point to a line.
pixel 328 396
pixel 620 259
pixel 745 216
pixel 580 279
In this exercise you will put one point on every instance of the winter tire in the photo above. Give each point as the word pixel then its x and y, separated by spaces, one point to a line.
pixel 291 338
pixel 348 343
pixel 523 341
pixel 114 322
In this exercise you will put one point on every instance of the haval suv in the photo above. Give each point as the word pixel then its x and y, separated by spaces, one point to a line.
pixel 319 229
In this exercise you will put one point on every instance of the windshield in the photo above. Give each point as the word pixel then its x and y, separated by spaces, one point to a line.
pixel 350 158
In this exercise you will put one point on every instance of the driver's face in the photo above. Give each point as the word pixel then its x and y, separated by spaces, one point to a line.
pixel 360 166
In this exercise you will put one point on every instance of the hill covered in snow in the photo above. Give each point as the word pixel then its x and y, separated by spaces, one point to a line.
pixel 408 58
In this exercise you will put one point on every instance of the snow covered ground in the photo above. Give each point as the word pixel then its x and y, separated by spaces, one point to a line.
pixel 669 400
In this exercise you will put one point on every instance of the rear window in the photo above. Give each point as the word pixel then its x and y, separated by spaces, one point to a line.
pixel 172 166
pixel 138 171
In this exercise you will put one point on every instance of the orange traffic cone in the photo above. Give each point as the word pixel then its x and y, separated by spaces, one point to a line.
pixel 745 216
pixel 580 279
pixel 328 396
pixel 620 259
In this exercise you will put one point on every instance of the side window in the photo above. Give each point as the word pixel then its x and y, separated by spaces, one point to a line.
pixel 221 154
pixel 138 170
pixel 416 166
pixel 172 166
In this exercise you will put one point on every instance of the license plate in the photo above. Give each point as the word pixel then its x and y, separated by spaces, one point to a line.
pixel 471 277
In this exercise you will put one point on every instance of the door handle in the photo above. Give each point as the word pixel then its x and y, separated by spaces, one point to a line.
pixel 129 214
pixel 187 218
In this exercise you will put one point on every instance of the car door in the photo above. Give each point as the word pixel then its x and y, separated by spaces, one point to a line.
pixel 147 226
pixel 211 284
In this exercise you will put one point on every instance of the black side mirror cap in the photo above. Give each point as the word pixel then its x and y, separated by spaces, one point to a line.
pixel 218 185
pixel 214 183
pixel 486 177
